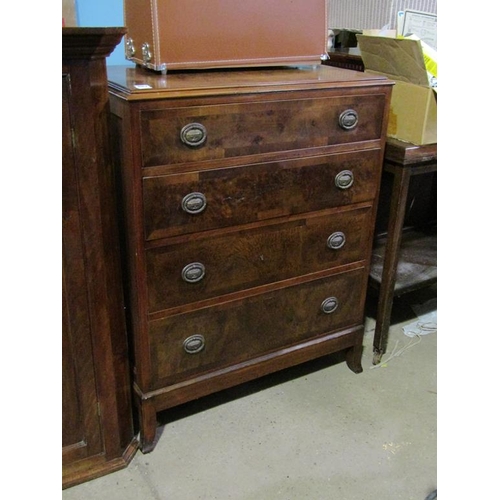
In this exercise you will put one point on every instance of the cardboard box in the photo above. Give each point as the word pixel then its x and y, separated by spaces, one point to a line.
pixel 413 112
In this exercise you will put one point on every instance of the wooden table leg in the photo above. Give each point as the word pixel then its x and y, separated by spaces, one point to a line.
pixel 401 182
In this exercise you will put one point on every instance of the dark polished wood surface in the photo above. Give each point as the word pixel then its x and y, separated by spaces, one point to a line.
pixel 276 173
pixel 90 43
pixel 348 58
pixel 142 84
pixel 417 261
pixel 97 433
pixel 404 153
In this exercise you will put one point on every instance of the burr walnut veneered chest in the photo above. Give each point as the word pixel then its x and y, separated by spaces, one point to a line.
pixel 249 202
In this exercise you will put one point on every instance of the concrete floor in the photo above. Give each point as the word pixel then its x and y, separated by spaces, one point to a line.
pixel 317 432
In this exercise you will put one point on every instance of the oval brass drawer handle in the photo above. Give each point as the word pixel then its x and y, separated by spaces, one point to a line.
pixel 348 119
pixel 193 273
pixel 194 203
pixel 336 240
pixel 193 135
pixel 194 344
pixel 344 179
pixel 329 305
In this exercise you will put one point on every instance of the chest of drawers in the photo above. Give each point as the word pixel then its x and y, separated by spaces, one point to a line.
pixel 248 209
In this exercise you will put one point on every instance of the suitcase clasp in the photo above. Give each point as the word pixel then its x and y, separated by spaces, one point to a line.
pixel 146 52
pixel 129 48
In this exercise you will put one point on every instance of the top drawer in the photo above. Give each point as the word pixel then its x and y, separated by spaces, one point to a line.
pixel 213 132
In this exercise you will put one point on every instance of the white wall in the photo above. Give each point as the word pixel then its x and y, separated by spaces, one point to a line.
pixel 372 14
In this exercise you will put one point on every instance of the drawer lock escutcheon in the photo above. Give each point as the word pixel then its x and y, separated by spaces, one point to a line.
pixel 348 119
pixel 193 273
pixel 329 305
pixel 344 179
pixel 193 135
pixel 194 203
pixel 194 344
pixel 336 240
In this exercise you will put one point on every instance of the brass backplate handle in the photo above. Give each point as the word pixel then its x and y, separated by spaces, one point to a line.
pixel 348 119
pixel 194 344
pixel 329 305
pixel 336 240
pixel 193 273
pixel 193 135
pixel 194 203
pixel 344 179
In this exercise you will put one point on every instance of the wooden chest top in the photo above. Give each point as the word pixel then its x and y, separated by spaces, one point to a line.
pixel 134 83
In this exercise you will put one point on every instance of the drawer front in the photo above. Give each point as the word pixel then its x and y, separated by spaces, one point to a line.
pixel 200 269
pixel 200 133
pixel 193 343
pixel 211 199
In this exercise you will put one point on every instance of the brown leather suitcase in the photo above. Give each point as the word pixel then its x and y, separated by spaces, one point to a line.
pixel 188 34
